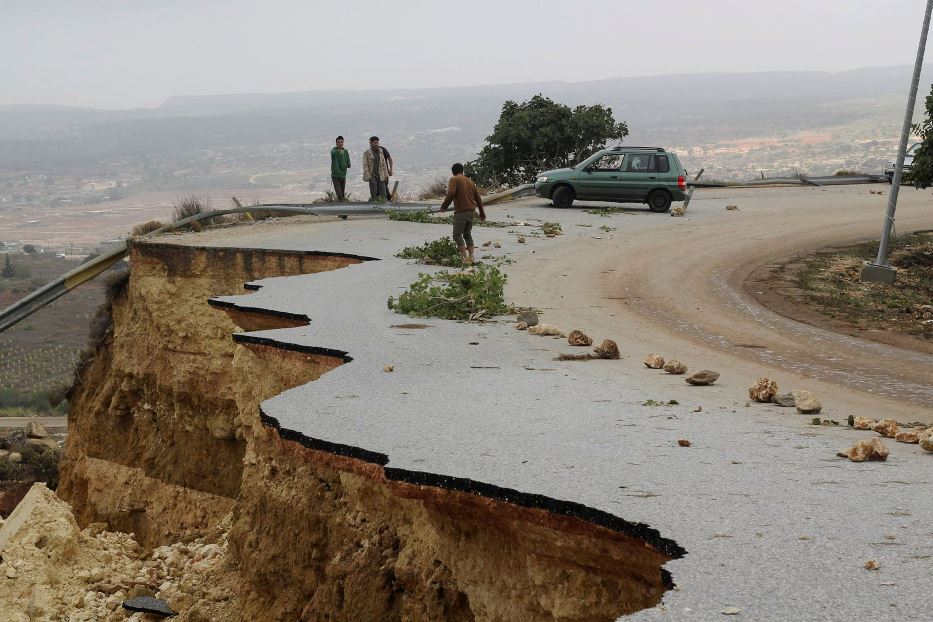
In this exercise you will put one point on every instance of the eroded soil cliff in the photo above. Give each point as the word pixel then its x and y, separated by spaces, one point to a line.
pixel 166 441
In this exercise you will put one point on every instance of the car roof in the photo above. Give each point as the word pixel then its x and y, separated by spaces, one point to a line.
pixel 626 148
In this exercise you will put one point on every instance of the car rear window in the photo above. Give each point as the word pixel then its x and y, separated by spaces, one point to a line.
pixel 664 165
pixel 608 162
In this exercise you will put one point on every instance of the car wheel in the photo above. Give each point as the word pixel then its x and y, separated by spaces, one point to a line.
pixel 563 197
pixel 659 201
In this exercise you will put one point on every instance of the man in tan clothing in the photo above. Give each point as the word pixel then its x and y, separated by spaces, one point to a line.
pixel 463 193
pixel 377 169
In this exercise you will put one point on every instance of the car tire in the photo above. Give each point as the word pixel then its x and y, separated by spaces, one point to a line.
pixel 659 201
pixel 563 197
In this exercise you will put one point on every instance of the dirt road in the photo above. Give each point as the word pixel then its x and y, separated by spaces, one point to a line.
pixel 20 422
pixel 675 286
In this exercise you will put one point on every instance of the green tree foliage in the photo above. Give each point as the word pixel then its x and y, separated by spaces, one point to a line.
pixel 29 249
pixel 541 134
pixel 9 270
pixel 454 295
pixel 921 173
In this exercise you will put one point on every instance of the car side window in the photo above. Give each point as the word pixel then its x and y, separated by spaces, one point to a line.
pixel 664 165
pixel 640 163
pixel 608 162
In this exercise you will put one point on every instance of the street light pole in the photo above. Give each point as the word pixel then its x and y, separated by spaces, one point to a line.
pixel 881 271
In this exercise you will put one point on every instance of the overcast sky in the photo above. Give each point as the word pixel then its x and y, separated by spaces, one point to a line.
pixel 124 54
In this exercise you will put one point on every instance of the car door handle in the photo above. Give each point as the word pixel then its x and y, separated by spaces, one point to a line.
pixel 613 176
pixel 652 178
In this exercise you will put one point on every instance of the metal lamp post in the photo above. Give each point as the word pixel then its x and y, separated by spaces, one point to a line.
pixel 881 271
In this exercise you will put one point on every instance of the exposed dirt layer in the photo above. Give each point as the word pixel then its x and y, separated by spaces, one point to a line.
pixel 166 441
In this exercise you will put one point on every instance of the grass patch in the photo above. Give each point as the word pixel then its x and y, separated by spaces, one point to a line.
pixel 607 229
pixel 468 295
pixel 830 281
pixel 605 211
pixel 430 219
pixel 661 403
pixel 440 252
pixel 551 229
pixel 436 189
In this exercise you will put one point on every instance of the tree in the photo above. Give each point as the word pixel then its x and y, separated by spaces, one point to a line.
pixel 921 172
pixel 29 249
pixel 541 134
pixel 9 270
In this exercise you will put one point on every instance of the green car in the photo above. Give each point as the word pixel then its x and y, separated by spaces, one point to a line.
pixel 621 174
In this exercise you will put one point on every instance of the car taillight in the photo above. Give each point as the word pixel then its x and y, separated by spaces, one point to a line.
pixel 681 183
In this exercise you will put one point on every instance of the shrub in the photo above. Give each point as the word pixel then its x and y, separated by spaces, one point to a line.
pixel 551 228
pixel 146 227
pixel 411 216
pixel 10 471
pixel 470 294
pixel 436 189
pixel 442 252
pixel 188 206
pixel 44 465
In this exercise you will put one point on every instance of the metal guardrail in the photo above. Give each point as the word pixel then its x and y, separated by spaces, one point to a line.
pixel 31 303
pixel 831 180
pixel 28 305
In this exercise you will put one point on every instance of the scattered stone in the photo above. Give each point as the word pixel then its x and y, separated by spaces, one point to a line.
pixel 698 409
pixel 522 326
pixel 148 604
pixel 683 442
pixel 521 239
pixel 528 317
pixel 702 378
pixel 11 572
pixel 34 429
pixel 675 367
pixel 544 330
pixel 608 349
pixel 41 444
pixel 15 457
pixel 654 361
pixel 886 428
pixel 731 611
pixel 806 403
pixel 909 436
pixel 926 439
pixel 872 565
pixel 732 208
pixel 577 338
pixel 677 211
pixel 863 423
pixel 872 449
pixel 487 243
pixel 784 399
pixel 388 368
pixel 763 390
pixel 497 244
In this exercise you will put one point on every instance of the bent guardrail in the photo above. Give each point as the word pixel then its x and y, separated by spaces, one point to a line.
pixel 46 294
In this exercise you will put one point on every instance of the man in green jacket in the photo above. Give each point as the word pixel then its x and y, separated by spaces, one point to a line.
pixel 339 163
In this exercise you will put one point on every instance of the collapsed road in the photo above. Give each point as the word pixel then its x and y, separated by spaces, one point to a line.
pixel 544 489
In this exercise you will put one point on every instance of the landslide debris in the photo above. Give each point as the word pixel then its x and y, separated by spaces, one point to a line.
pixel 763 390
pixel 872 449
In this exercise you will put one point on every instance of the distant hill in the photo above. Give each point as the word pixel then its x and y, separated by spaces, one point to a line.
pixel 430 127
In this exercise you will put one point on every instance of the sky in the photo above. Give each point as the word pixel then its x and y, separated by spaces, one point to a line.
pixel 137 53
